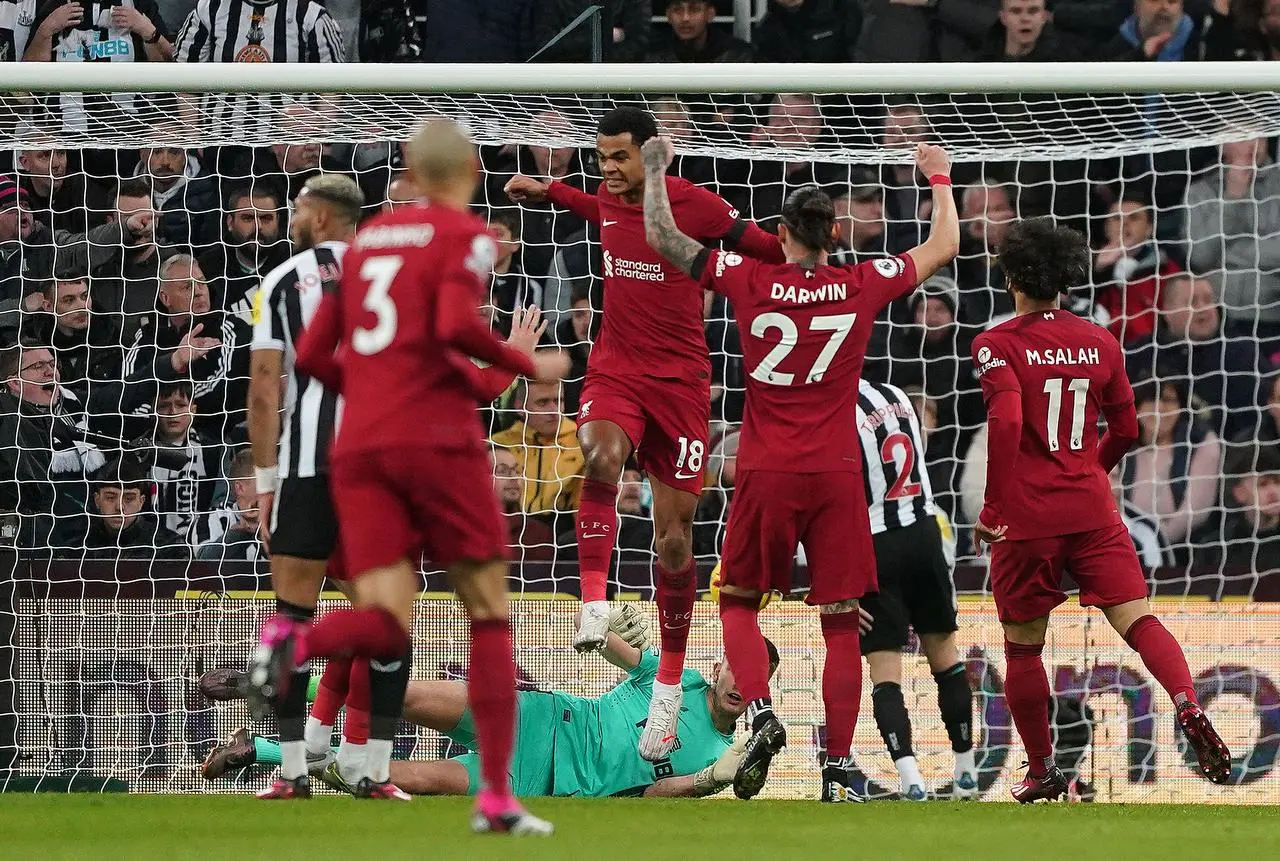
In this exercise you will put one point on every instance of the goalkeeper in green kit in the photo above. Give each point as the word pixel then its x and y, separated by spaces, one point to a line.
pixel 565 745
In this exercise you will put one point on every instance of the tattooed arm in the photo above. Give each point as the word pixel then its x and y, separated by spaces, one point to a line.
pixel 660 229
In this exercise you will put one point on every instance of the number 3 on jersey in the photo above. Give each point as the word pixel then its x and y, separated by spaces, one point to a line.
pixel 1079 389
pixel 839 325
pixel 378 273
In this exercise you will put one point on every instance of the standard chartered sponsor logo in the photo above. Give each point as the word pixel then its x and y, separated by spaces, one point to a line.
pixel 636 270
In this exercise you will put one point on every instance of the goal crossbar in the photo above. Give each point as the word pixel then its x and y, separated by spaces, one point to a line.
pixel 548 78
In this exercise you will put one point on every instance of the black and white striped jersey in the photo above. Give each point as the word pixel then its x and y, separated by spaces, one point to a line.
pixel 897 484
pixel 94 40
pixel 282 308
pixel 16 18
pixel 256 31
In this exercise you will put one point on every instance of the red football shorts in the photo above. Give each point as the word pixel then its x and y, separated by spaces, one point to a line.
pixel 667 421
pixel 397 505
pixel 1026 576
pixel 772 512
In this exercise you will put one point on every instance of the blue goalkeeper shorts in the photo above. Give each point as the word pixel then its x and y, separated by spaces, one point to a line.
pixel 531 760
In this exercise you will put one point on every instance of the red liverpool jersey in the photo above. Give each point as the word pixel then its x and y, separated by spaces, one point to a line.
pixel 804 338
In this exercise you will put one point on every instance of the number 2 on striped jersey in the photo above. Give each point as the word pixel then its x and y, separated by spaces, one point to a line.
pixel 1079 389
pixel 903 487
pixel 839 325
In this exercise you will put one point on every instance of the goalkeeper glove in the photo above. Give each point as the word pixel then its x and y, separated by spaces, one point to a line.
pixel 631 624
pixel 719 774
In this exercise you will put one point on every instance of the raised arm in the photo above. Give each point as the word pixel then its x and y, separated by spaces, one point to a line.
pixel 943 243
pixel 527 189
pixel 660 229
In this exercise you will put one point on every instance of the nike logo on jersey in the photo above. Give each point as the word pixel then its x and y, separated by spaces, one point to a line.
pixel 596 535
pixel 685 476
pixel 606 222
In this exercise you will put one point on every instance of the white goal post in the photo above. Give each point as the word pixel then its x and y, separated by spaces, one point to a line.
pixel 107 648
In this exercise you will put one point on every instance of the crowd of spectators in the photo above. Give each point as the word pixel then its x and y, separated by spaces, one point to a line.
pixel 127 278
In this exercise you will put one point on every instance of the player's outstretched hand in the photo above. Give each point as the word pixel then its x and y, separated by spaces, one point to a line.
pixel 526 189
pixel 550 366
pixel 932 160
pixel 984 534
pixel 527 329
pixel 631 624
pixel 657 151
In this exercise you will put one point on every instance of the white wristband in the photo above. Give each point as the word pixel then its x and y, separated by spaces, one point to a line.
pixel 265 476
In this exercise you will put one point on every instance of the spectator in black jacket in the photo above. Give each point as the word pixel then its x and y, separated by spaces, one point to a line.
pixel 87 344
pixel 44 464
pixel 219 370
pixel 808 31
pixel 1025 33
pixel 29 251
pixel 125 284
pixel 1189 348
pixel 62 199
pixel 184 197
pixel 117 527
pixel 693 39
pixel 254 243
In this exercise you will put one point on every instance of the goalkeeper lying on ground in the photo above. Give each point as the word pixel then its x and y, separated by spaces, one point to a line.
pixel 565 745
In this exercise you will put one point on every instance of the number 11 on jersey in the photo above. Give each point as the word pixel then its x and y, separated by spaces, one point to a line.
pixel 1079 389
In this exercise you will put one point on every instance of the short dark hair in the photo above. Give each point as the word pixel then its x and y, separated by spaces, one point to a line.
pixel 508 218
pixel 628 119
pixel 125 472
pixel 244 190
pixel 1042 259
pixel 810 216
pixel 175 387
pixel 134 186
pixel 1152 388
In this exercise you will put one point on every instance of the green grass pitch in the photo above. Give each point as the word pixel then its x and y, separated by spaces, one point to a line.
pixel 139 828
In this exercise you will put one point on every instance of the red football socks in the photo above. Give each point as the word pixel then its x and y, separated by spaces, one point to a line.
pixel 355 726
pixel 744 648
pixel 332 691
pixel 841 680
pixel 677 591
pixel 369 632
pixel 597 528
pixel 1026 690
pixel 1163 657
pixel 491 688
